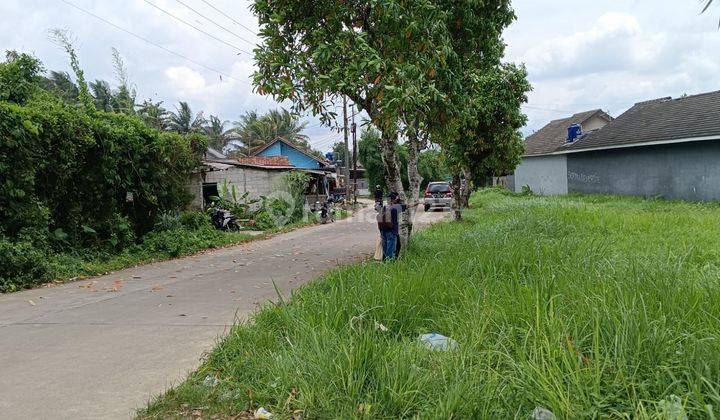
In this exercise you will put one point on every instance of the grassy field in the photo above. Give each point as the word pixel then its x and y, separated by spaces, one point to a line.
pixel 586 306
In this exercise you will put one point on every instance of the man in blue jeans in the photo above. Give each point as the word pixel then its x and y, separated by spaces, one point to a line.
pixel 389 225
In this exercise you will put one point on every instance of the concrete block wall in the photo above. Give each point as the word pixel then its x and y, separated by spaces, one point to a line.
pixel 255 181
pixel 545 175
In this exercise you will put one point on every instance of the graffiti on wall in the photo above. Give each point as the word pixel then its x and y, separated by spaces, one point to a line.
pixel 584 178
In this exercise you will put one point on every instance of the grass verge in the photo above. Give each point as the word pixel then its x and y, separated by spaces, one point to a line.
pixel 587 306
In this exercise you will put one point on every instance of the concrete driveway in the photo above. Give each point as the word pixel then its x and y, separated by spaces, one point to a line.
pixel 102 347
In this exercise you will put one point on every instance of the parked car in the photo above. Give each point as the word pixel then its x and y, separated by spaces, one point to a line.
pixel 438 195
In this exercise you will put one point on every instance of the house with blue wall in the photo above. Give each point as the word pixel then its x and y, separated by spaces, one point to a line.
pixel 297 157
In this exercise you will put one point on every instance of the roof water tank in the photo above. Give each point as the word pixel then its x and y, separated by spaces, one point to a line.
pixel 574 132
pixel 329 156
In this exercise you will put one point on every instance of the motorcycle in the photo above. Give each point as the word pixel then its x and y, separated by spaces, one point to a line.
pixel 327 213
pixel 224 220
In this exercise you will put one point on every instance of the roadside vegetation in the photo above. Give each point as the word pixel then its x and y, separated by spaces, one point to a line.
pixel 90 182
pixel 586 306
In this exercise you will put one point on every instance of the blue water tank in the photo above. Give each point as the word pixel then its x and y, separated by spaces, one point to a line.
pixel 574 132
pixel 329 156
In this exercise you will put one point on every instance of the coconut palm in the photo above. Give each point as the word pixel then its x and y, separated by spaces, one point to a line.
pixel 102 95
pixel 62 85
pixel 154 115
pixel 255 131
pixel 183 121
pixel 218 135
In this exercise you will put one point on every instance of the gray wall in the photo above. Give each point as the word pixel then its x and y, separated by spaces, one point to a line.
pixel 546 175
pixel 255 181
pixel 687 171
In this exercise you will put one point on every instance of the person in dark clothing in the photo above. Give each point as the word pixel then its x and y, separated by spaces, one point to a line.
pixel 389 226
pixel 378 194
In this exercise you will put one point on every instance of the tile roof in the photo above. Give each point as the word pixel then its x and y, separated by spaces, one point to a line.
pixel 554 135
pixel 292 145
pixel 663 119
pixel 265 160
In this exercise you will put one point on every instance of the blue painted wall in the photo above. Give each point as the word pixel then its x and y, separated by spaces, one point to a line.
pixel 298 159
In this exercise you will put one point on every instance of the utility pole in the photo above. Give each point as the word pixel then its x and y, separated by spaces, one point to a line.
pixel 354 155
pixel 347 148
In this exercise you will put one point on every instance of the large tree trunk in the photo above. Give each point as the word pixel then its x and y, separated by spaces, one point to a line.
pixel 415 146
pixel 457 197
pixel 393 179
pixel 467 188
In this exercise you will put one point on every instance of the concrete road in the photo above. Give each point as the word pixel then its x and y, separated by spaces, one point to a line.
pixel 100 348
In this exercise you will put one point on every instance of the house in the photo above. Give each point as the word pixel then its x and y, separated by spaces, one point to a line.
pixel 259 174
pixel 256 176
pixel 541 169
pixel 666 147
pixel 297 157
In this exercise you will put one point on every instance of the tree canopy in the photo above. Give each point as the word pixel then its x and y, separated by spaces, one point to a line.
pixel 402 61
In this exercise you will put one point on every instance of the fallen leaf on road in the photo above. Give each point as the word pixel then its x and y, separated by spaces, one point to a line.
pixel 117 285
pixel 31 302
pixel 88 285
pixel 137 277
pixel 157 288
pixel 170 296
pixel 182 315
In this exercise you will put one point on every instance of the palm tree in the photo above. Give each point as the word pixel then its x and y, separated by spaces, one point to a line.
pixel 154 115
pixel 218 136
pixel 255 131
pixel 102 95
pixel 708 3
pixel 61 84
pixel 183 121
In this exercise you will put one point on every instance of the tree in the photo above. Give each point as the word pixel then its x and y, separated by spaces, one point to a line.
pixel 488 143
pixel 254 131
pixel 154 115
pixel 395 59
pixel 62 86
pixel 218 136
pixel 18 77
pixel 184 121
pixel 102 94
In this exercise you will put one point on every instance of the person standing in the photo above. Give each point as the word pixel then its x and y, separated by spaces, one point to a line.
pixel 378 194
pixel 388 219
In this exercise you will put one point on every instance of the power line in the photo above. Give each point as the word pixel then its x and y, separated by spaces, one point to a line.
pixel 228 16
pixel 215 23
pixel 152 43
pixel 196 28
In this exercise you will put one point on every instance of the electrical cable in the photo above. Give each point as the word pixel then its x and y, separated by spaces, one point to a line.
pixel 196 28
pixel 153 43
pixel 229 17
pixel 215 23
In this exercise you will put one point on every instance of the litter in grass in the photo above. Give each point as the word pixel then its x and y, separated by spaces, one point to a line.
pixel 210 381
pixel 672 408
pixel 263 414
pixel 541 413
pixel 435 341
pixel 381 327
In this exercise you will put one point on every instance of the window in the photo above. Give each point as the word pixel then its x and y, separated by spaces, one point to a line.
pixel 209 190
pixel 439 188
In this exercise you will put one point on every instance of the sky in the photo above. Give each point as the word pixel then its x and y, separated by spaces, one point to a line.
pixel 580 54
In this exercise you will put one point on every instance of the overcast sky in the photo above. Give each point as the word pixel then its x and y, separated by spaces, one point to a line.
pixel 580 54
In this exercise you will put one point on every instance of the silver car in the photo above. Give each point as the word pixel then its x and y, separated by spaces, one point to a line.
pixel 438 195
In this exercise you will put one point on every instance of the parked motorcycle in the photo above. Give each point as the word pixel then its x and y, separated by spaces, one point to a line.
pixel 327 212
pixel 224 220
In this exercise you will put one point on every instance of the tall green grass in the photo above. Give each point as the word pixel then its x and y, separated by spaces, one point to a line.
pixel 587 306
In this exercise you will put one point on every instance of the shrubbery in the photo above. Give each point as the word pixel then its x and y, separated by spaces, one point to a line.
pixel 73 178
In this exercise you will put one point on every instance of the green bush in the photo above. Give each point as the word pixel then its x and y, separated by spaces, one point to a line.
pixel 22 265
pixel 194 220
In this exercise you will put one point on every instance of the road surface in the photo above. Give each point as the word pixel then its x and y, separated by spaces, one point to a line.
pixel 101 348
